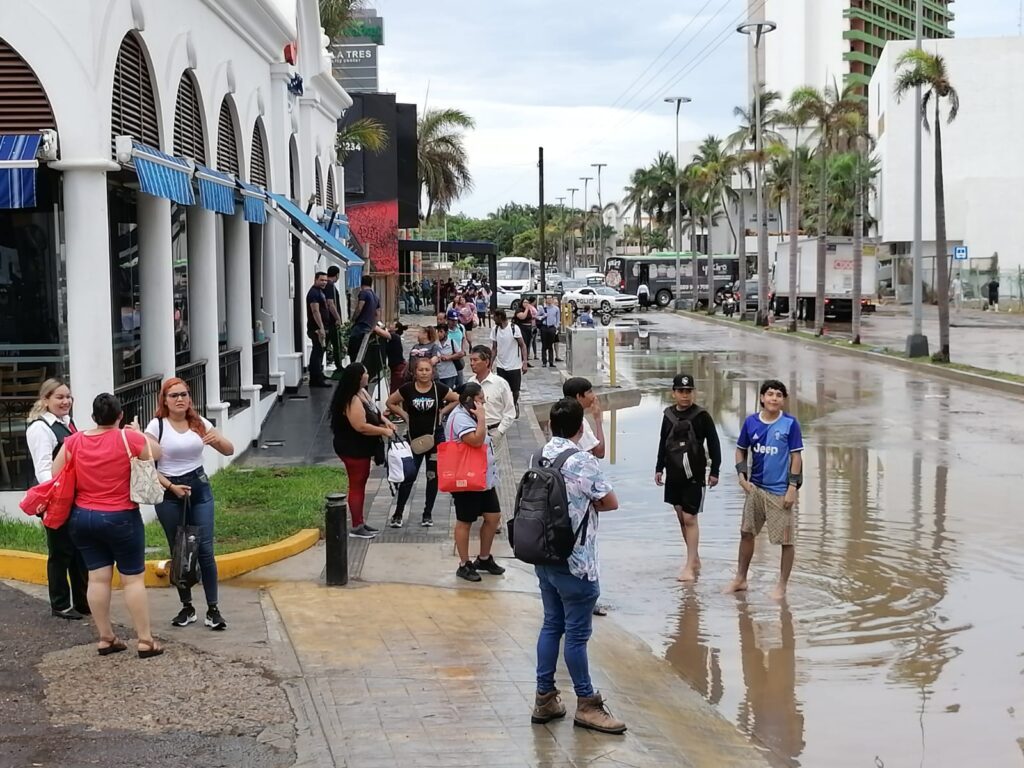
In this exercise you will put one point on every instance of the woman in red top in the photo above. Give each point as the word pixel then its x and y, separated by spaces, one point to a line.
pixel 106 525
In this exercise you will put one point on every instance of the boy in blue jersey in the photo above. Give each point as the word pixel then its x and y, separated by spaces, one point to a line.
pixel 771 480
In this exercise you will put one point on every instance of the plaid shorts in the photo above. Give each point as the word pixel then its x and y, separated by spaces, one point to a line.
pixel 766 509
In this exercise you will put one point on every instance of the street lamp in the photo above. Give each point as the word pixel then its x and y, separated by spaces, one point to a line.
pixel 679 101
pixel 600 207
pixel 757 30
pixel 586 212
pixel 917 342
pixel 572 230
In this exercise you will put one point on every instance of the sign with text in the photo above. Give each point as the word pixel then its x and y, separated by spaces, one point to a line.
pixel 355 66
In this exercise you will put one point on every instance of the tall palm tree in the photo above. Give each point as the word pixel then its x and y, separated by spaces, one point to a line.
pixel 336 16
pixel 365 133
pixel 441 156
pixel 796 117
pixel 711 171
pixel 831 110
pixel 919 68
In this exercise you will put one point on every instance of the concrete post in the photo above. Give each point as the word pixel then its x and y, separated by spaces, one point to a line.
pixel 156 278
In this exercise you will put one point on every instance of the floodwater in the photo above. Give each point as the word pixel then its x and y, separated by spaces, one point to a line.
pixel 902 640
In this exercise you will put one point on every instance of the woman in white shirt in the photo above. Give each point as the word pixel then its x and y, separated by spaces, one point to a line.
pixel 49 423
pixel 183 434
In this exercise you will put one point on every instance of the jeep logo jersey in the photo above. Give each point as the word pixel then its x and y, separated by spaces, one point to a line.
pixel 770 446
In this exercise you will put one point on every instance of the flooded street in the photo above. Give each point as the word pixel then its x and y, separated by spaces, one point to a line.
pixel 902 636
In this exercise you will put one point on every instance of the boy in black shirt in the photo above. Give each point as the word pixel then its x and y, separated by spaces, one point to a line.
pixel 686 429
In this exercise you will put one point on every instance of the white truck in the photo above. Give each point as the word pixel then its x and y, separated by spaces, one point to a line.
pixel 838 278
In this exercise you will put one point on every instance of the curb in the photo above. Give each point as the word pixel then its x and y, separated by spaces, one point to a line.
pixel 30 567
pixel 946 374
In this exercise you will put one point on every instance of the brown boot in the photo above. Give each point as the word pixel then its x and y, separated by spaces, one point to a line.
pixel 547 707
pixel 593 714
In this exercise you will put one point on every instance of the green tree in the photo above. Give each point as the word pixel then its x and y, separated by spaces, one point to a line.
pixel 929 71
pixel 796 116
pixel 442 160
pixel 365 133
pixel 336 16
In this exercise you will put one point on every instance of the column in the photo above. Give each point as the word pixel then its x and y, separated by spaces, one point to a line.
pixel 271 279
pixel 237 268
pixel 87 236
pixel 156 278
pixel 202 298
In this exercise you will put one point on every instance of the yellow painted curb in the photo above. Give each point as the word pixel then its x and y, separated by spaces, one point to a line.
pixel 31 567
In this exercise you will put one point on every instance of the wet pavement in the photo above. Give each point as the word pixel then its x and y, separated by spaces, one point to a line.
pixel 901 637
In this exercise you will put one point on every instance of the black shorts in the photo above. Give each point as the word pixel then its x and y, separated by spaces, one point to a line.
pixel 689 496
pixel 469 505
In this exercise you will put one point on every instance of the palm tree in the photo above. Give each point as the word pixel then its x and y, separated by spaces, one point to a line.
pixel 830 109
pixel 796 117
pixel 927 70
pixel 711 172
pixel 365 133
pixel 336 16
pixel 441 156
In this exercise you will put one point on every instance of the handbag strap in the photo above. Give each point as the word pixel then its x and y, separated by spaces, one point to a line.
pixel 128 450
pixel 183 518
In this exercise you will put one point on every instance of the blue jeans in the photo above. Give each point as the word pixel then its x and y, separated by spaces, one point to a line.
pixel 200 513
pixel 568 610
pixel 108 538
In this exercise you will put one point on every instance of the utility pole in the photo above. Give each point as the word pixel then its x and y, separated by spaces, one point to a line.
pixel 679 101
pixel 572 230
pixel 586 212
pixel 599 235
pixel 543 258
pixel 917 342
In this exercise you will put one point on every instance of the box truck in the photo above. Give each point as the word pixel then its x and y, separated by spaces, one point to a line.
pixel 838 278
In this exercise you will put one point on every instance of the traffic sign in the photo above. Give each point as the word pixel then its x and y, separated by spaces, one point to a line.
pixel 960 253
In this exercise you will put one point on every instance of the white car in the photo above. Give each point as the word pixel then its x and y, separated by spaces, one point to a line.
pixel 601 299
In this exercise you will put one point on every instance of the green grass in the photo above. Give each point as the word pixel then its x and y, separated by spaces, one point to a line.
pixel 254 507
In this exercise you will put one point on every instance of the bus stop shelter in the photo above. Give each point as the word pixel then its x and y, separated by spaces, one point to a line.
pixel 460 248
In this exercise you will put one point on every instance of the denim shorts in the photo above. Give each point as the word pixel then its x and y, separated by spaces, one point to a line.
pixel 109 538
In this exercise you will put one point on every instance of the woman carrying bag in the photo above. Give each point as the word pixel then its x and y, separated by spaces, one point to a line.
pixel 419 404
pixel 465 433
pixel 183 435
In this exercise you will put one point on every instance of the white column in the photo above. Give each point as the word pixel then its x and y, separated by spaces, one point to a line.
pixel 202 298
pixel 87 237
pixel 156 278
pixel 270 280
pixel 237 268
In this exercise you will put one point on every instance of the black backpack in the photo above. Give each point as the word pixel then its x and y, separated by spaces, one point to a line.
pixel 541 530
pixel 684 451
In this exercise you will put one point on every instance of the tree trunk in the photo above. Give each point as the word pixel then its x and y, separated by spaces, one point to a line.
pixel 694 260
pixel 430 208
pixel 741 249
pixel 858 246
pixel 941 259
pixel 819 290
pixel 728 217
pixel 794 230
pixel 762 253
pixel 711 263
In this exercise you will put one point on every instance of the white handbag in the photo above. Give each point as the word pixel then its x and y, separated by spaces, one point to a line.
pixel 145 485
pixel 401 465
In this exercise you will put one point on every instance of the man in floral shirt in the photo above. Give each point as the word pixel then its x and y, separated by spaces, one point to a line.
pixel 570 591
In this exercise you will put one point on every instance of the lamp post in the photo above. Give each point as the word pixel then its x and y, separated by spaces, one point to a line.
pixel 586 212
pixel 917 342
pixel 572 230
pixel 757 30
pixel 598 236
pixel 679 101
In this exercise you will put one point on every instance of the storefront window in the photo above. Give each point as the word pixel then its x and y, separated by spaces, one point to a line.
pixel 179 260
pixel 126 308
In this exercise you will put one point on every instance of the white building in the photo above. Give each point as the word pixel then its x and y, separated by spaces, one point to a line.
pixel 124 257
pixel 983 157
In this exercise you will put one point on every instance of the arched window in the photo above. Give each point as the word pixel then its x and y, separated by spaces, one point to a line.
pixel 319 182
pixel 189 138
pixel 227 141
pixel 329 197
pixel 258 162
pixel 133 104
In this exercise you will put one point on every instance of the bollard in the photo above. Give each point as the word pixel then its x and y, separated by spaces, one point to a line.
pixel 611 357
pixel 336 528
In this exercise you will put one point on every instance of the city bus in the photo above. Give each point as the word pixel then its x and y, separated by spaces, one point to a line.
pixel 658 270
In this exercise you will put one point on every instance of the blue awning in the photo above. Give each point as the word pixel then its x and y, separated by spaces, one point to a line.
pixel 216 190
pixel 18 170
pixel 254 202
pixel 316 236
pixel 336 224
pixel 163 175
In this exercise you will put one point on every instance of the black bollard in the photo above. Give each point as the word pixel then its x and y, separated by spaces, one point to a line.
pixel 336 527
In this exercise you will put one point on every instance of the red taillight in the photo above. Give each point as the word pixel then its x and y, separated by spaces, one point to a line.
pixel 827 301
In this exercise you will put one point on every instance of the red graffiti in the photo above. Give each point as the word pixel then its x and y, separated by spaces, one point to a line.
pixel 376 225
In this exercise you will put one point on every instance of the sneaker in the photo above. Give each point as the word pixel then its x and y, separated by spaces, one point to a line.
pixel 547 707
pixel 427 521
pixel 362 532
pixel 489 565
pixel 214 620
pixel 68 613
pixel 468 572
pixel 371 529
pixel 186 616
pixel 395 521
pixel 592 713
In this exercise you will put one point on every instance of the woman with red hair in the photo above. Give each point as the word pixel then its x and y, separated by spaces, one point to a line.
pixel 183 434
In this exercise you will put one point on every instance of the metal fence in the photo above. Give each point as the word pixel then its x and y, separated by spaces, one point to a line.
pixel 261 367
pixel 16 472
pixel 139 399
pixel 194 374
pixel 231 377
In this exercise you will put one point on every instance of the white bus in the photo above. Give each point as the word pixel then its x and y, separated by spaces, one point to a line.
pixel 516 275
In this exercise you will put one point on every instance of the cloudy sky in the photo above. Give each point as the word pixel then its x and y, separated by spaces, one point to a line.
pixel 581 78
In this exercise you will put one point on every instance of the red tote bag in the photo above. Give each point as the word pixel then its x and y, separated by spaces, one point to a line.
pixel 54 498
pixel 461 467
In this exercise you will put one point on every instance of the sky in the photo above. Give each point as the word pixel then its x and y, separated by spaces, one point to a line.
pixel 581 78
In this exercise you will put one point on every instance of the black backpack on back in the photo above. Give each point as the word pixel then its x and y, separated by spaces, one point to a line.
pixel 684 451
pixel 541 530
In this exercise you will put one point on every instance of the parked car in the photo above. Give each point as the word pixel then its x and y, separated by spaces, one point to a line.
pixel 750 294
pixel 600 298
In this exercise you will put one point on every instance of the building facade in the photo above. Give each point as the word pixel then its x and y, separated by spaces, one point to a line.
pixel 167 174
pixel 821 41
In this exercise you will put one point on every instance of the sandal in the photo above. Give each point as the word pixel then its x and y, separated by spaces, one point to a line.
pixel 113 645
pixel 600 610
pixel 154 649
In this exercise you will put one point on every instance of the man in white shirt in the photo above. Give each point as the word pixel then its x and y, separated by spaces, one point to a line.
pixel 592 440
pixel 509 352
pixel 499 404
